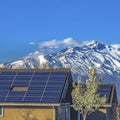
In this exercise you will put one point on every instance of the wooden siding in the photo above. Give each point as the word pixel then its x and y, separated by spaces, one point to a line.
pixel 16 113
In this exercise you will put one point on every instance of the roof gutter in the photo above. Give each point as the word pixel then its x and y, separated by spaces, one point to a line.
pixel 107 105
pixel 33 104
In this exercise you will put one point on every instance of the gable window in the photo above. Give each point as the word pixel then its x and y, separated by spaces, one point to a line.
pixel 1 111
pixel 19 88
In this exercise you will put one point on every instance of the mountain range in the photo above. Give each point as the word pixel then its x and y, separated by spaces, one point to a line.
pixel 105 58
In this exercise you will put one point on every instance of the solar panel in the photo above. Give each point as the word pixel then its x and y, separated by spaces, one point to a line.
pixel 38 84
pixel 59 73
pixel 21 77
pixel 37 88
pixel 3 82
pixel 40 77
pixel 8 77
pixel 51 94
pixel 49 84
pixel 8 73
pixel 4 87
pixel 32 99
pixel 2 98
pixel 3 93
pixel 20 84
pixel 24 73
pixel 105 90
pixel 105 87
pixel 51 100
pixel 41 73
pixel 55 88
pixel 42 86
pixel 14 99
pixel 34 93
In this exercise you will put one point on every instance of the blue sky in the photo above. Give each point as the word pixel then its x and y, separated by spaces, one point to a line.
pixel 25 23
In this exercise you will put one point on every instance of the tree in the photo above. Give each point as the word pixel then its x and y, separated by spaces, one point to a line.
pixel 85 98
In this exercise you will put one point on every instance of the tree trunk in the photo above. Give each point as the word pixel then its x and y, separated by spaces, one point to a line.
pixel 84 116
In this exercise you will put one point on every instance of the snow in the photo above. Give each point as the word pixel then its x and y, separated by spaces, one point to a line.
pixel 105 58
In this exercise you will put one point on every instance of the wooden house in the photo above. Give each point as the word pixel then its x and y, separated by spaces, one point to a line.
pixel 45 94
pixel 118 112
pixel 35 94
pixel 108 111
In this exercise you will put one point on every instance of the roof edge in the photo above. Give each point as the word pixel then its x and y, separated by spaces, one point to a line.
pixel 33 104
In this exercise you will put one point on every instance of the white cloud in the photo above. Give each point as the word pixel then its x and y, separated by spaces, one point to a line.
pixel 70 42
pixel 31 43
pixel 54 45
pixel 59 43
pixel 50 44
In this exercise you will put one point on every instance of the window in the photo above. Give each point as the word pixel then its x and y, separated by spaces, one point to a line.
pixel 1 111
pixel 19 88
pixel 63 113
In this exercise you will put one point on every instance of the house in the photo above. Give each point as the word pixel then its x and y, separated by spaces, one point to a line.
pixel 108 111
pixel 45 94
pixel 35 94
pixel 118 112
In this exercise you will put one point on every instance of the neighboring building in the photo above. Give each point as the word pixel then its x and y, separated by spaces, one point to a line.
pixel 118 112
pixel 35 94
pixel 45 94
pixel 108 111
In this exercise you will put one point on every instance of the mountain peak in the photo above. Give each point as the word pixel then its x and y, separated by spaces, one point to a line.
pixel 95 45
pixel 91 43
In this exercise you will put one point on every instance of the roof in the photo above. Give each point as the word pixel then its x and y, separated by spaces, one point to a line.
pixel 33 85
pixel 109 91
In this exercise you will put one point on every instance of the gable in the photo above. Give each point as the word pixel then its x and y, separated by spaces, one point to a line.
pixel 108 90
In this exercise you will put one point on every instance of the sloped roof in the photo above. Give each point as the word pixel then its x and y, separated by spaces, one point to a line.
pixel 33 85
pixel 109 91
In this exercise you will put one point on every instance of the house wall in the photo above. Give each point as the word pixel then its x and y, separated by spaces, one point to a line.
pixel 100 114
pixel 20 113
pixel 118 112
pixel 97 115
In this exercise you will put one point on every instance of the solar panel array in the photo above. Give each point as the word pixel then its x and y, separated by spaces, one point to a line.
pixel 105 90
pixel 41 86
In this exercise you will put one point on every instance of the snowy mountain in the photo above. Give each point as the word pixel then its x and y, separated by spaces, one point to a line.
pixel 106 58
